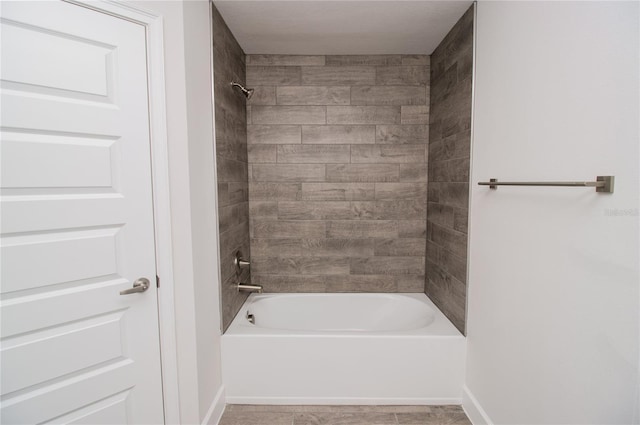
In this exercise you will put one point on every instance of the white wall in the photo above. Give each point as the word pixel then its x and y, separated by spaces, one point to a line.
pixel 553 276
pixel 194 214
pixel 204 217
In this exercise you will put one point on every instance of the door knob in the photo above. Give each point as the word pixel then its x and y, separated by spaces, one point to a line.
pixel 139 285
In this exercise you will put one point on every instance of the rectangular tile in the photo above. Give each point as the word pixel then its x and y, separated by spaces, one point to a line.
pixel 412 228
pixel 447 293
pixel 465 64
pixel 275 191
pixel 273 75
pixel 388 265
pixel 415 60
pixel 230 170
pixel 309 210
pixel 459 37
pixel 288 114
pixel 285 60
pixel 232 215
pixel 394 191
pixel 293 173
pixel 313 154
pixel 223 194
pixel 457 146
pixel 309 247
pixel 338 134
pixel 410 283
pixel 359 283
pixel 338 191
pixel 388 95
pixel 363 210
pixel 374 60
pixel 413 172
pixel 439 214
pixel 433 418
pixel 451 94
pixel 453 241
pixel 362 173
pixel 461 220
pixel 238 192
pixel 263 209
pixel 368 418
pixel 230 141
pixel 288 284
pixel 402 134
pixel 400 210
pixel 261 153
pixel 233 299
pixel 261 228
pixel 338 75
pixel 454 194
pixel 372 154
pixel 414 114
pixel 433 192
pixel 410 247
pixel 262 418
pixel 453 170
pixel 320 95
pixel 362 229
pixel 455 121
pixel 274 134
pixel 301 265
pixel 452 264
pixel 235 238
pixel 402 75
pixel 363 114
pixel 263 95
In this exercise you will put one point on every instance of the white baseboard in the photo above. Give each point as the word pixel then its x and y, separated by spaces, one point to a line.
pixel 341 400
pixel 216 409
pixel 472 408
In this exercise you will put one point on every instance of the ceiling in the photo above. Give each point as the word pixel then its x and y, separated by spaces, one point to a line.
pixel 340 27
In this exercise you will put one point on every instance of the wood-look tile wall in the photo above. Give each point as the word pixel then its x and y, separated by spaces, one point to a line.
pixel 231 161
pixel 337 151
pixel 449 153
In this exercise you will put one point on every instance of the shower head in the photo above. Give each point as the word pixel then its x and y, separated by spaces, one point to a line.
pixel 247 92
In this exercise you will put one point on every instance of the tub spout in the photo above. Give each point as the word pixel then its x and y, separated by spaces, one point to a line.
pixel 243 287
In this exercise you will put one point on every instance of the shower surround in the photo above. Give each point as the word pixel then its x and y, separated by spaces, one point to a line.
pixel 337 153
pixel 449 155
pixel 231 163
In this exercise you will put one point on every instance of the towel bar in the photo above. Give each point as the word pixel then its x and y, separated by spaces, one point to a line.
pixel 603 184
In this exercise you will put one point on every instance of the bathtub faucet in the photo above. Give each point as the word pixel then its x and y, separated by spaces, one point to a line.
pixel 243 287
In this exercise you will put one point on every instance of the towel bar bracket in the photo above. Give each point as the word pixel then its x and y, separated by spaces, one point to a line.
pixel 607 187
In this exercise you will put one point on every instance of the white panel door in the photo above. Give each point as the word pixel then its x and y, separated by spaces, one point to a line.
pixel 77 220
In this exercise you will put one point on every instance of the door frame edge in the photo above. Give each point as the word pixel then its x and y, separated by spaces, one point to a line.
pixel 154 24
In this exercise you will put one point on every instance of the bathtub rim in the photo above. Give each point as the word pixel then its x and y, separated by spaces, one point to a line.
pixel 441 327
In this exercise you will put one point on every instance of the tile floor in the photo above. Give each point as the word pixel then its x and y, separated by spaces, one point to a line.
pixel 238 414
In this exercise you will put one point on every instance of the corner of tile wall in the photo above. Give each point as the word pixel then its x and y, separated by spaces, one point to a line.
pixel 449 164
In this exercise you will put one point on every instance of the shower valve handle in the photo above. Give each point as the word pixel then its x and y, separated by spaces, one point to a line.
pixel 240 262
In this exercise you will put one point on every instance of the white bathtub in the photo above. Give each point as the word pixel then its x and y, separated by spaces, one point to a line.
pixel 342 349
